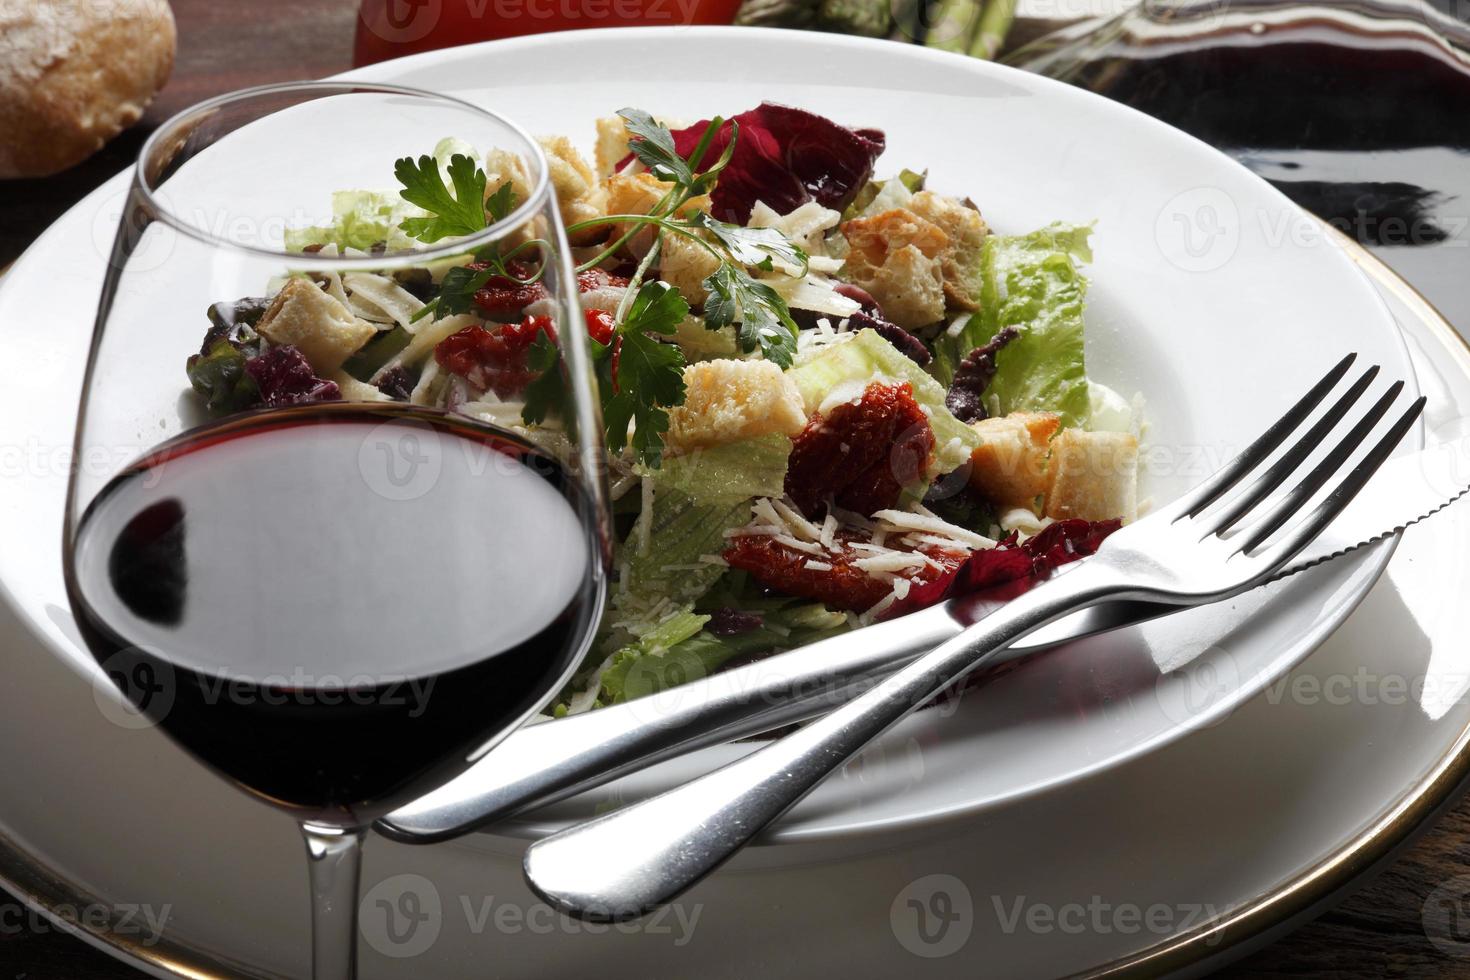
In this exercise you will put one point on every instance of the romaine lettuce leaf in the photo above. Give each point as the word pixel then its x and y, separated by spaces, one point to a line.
pixel 704 653
pixel 696 499
pixel 1032 283
pixel 656 644
pixel 361 219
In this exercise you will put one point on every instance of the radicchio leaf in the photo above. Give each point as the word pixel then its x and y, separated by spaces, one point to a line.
pixel 285 377
pixel 1014 565
pixel 785 157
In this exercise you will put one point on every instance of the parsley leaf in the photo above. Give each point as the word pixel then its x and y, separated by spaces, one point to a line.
pixel 763 315
pixel 653 145
pixel 650 374
pixel 458 288
pixel 658 308
pixel 502 202
pixel 753 246
pixel 650 377
pixel 456 214
pixel 547 394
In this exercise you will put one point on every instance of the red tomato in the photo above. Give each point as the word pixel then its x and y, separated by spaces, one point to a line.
pixel 389 28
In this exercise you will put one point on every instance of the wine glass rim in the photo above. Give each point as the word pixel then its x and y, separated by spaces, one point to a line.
pixel 450 248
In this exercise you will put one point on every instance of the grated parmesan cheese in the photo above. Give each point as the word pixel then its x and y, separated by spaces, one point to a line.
pixel 903 520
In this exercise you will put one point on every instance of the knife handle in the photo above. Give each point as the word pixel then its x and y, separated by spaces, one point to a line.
pixel 547 762
pixel 543 763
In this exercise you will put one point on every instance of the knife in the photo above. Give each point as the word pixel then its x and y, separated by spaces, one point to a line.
pixel 543 763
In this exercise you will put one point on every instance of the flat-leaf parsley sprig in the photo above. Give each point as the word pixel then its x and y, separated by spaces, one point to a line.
pixel 639 377
pixel 456 213
pixel 735 295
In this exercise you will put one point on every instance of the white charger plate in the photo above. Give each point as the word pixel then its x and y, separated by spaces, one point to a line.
pixel 1220 335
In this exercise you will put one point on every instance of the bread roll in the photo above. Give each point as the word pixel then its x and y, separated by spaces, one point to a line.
pixel 74 74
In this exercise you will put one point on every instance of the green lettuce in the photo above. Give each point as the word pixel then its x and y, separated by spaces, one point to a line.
pixel 696 499
pixel 1032 283
pixel 668 635
pixel 361 219
pixel 786 623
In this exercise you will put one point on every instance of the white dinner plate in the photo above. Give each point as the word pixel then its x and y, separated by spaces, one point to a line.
pixel 1205 298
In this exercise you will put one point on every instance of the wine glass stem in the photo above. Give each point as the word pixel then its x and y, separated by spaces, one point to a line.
pixel 335 857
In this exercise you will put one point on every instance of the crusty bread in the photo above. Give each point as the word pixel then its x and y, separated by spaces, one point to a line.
pixel 895 256
pixel 74 74
pixel 1009 466
pixel 729 400
pixel 1094 476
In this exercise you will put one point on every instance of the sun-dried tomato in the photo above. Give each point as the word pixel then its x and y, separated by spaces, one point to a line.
pixel 498 360
pixel 783 568
pixel 593 279
pixel 843 585
pixel 504 298
pixel 861 454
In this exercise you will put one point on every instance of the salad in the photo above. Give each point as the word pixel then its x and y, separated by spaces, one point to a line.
pixel 830 398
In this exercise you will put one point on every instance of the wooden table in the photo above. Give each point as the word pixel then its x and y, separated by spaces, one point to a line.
pixel 1376 933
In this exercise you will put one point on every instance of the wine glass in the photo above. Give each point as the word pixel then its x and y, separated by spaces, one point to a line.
pixel 279 545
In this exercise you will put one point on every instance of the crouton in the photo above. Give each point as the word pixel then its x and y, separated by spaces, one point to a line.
pixel 579 194
pixel 684 265
pixel 729 400
pixel 959 260
pixel 612 141
pixel 1093 476
pixel 612 144
pixel 1008 468
pixel 324 330
pixel 895 257
pixel 640 194
pixel 504 167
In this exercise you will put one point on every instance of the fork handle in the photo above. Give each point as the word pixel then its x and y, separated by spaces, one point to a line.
pixel 631 861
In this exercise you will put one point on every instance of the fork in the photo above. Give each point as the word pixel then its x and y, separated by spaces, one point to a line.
pixel 1207 546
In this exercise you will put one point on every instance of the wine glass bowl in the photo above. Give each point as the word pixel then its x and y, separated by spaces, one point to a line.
pixel 333 594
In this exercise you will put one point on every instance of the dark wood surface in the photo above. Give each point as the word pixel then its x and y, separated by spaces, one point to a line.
pixel 1377 932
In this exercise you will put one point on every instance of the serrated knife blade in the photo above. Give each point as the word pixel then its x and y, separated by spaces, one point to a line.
pixel 545 763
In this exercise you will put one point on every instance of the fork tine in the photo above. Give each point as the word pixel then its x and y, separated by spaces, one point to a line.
pixel 1282 512
pixel 1301 535
pixel 1232 472
pixel 1292 460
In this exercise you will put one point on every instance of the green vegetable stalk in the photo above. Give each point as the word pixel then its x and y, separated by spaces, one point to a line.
pixel 953 25
pixel 995 24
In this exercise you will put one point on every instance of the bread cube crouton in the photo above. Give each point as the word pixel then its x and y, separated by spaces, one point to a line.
pixel 729 400
pixel 1093 476
pixel 639 194
pixel 579 194
pixel 685 265
pixel 612 144
pixel 895 256
pixel 324 330
pixel 504 167
pixel 959 260
pixel 1008 468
